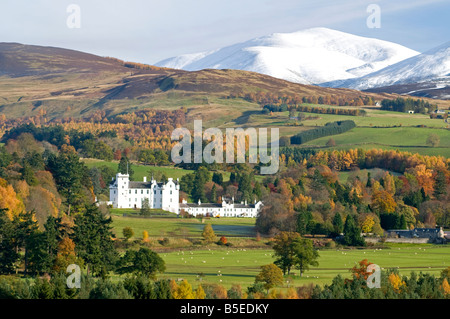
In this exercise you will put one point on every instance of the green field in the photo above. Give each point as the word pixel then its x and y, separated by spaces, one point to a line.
pixel 378 129
pixel 374 117
pixel 239 263
pixel 408 139
pixel 229 266
pixel 184 227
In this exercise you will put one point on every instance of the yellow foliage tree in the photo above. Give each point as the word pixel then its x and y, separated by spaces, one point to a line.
pixel 66 255
pixel 291 294
pixel 200 293
pixel 383 202
pixel 145 236
pixel 10 200
pixel 446 287
pixel 367 224
pixel 396 282
pixel 183 291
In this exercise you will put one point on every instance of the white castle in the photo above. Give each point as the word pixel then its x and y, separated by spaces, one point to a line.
pixel 228 208
pixel 124 193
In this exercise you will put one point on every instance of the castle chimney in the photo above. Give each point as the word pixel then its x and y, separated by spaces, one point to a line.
pixel 145 179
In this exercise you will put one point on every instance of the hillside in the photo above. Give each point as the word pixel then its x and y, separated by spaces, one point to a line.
pixel 64 83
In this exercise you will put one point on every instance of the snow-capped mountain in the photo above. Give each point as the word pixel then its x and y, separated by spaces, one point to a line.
pixel 433 65
pixel 311 56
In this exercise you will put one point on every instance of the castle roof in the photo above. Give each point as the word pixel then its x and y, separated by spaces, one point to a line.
pixel 214 205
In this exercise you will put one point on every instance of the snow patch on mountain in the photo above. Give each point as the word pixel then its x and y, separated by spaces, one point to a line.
pixel 431 65
pixel 311 56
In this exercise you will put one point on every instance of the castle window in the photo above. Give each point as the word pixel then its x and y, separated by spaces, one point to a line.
pixel 142 191
pixel 129 191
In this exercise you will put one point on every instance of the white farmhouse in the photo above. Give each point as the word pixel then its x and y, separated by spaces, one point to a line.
pixel 124 193
pixel 228 208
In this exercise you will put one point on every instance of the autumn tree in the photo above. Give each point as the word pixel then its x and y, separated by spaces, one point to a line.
pixel 208 234
pixel 383 202
pixel 396 282
pixel 66 255
pixel 9 200
pixel 284 250
pixel 145 238
pixel 360 271
pixel 271 275
pixel 183 291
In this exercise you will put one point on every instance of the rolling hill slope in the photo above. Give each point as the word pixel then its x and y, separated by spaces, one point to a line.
pixel 64 83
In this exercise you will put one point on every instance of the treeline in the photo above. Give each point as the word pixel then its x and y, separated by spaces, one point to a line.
pixel 328 129
pixel 392 286
pixel 307 196
pixel 314 109
pixel 288 100
pixel 404 105
pixel 102 137
pixel 206 187
pixel 135 65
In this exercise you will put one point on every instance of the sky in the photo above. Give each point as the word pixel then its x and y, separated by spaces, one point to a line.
pixel 148 31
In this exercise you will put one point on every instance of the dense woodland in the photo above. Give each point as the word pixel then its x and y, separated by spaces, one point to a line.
pixel 273 99
pixel 133 134
pixel 328 129
pixel 409 104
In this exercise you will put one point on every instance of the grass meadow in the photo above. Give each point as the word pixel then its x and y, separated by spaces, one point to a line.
pixel 187 258
pixel 228 266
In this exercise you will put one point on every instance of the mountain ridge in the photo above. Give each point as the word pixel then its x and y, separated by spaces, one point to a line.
pixel 433 64
pixel 310 56
pixel 62 83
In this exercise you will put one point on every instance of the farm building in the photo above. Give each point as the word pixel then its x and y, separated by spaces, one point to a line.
pixel 433 234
